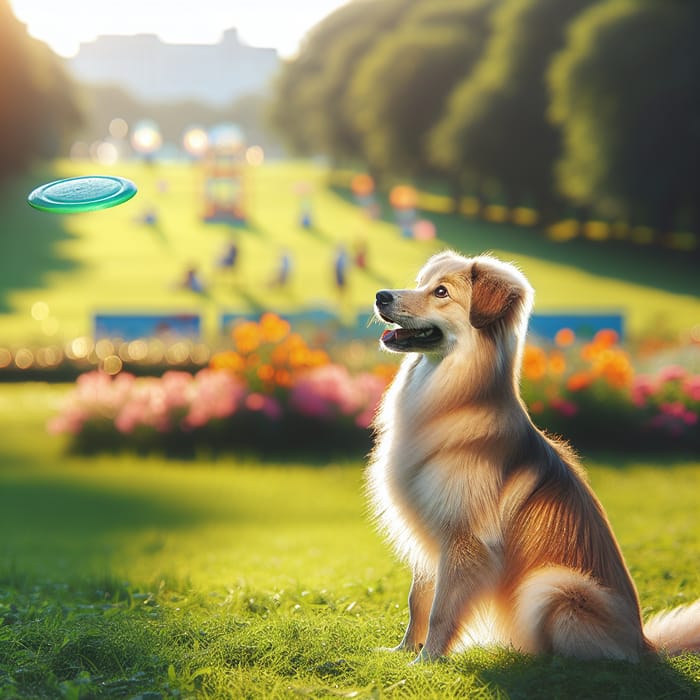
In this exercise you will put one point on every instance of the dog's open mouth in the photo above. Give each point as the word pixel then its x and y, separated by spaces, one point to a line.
pixel 408 339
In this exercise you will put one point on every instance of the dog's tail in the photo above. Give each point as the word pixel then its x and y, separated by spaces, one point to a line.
pixel 675 631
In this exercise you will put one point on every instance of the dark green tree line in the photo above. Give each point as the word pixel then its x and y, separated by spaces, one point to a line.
pixel 400 89
pixel 626 95
pixel 495 126
pixel 310 108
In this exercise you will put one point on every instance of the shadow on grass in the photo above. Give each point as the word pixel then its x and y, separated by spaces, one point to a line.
pixel 557 677
pixel 39 506
pixel 29 238
pixel 654 267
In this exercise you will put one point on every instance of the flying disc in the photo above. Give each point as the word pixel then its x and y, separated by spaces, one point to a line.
pixel 85 193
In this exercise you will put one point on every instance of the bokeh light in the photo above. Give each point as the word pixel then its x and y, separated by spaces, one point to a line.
pixel 118 128
pixel 195 141
pixel 24 358
pixel 255 155
pixel 424 230
pixel 111 365
pixel 146 138
pixel 79 348
pixel 40 310
pixel 107 153
pixel 403 197
pixel 137 350
pixel 362 185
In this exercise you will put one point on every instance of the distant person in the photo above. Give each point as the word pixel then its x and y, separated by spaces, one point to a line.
pixel 361 254
pixel 284 269
pixel 150 217
pixel 193 281
pixel 340 268
pixel 230 257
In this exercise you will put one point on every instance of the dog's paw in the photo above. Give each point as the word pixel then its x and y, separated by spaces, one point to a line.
pixel 425 658
pixel 390 650
pixel 412 648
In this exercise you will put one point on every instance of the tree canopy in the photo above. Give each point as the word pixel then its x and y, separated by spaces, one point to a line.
pixel 495 124
pixel 626 96
pixel 400 88
pixel 310 109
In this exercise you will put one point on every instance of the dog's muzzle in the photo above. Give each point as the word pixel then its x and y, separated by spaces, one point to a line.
pixel 404 339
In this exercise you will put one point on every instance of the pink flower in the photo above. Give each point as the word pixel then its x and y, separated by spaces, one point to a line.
pixel 566 408
pixel 214 394
pixel 267 405
pixel 643 388
pixel 691 387
pixel 672 373
pixel 674 409
pixel 322 391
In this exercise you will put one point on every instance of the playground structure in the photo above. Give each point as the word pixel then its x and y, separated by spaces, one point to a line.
pixel 224 183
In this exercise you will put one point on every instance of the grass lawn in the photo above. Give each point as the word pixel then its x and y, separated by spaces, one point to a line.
pixel 110 261
pixel 140 578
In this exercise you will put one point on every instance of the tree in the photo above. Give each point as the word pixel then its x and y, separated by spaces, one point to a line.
pixel 310 106
pixel 400 88
pixel 37 102
pixel 625 93
pixel 495 126
pixel 297 111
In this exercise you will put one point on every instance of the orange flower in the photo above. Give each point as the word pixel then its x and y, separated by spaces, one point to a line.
pixel 557 363
pixel 606 338
pixel 273 328
pixel 247 337
pixel 590 351
pixel 283 378
pixel 602 340
pixel 266 372
pixel 615 367
pixel 229 360
pixel 579 381
pixel 534 363
pixel 565 337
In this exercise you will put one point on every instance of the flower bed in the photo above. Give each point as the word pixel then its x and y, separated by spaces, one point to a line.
pixel 273 393
pixel 592 394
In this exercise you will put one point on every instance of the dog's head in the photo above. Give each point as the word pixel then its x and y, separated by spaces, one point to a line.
pixel 455 298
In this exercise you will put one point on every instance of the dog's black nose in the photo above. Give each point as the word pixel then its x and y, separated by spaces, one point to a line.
pixel 384 298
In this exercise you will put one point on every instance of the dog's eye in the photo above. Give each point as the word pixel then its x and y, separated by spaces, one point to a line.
pixel 441 292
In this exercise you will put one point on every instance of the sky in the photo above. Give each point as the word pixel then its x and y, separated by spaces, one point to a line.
pixel 279 24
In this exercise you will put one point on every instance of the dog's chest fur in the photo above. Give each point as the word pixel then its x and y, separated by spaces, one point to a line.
pixel 435 479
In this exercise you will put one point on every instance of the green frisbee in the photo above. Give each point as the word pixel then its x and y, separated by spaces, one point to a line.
pixel 78 194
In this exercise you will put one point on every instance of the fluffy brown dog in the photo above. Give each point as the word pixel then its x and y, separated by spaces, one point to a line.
pixel 495 518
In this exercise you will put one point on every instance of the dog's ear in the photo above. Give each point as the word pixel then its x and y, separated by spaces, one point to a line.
pixel 493 294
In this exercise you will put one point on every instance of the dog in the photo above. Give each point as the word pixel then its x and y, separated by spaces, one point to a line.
pixel 495 518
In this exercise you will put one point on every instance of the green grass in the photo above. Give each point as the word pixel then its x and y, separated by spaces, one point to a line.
pixel 107 261
pixel 141 578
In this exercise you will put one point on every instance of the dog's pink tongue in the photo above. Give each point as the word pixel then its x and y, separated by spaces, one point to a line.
pixel 397 335
pixel 388 335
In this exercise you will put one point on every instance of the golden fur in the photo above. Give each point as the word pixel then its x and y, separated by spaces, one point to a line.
pixel 495 518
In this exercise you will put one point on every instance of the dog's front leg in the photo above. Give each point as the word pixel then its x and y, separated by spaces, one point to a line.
pixel 464 571
pixel 420 599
